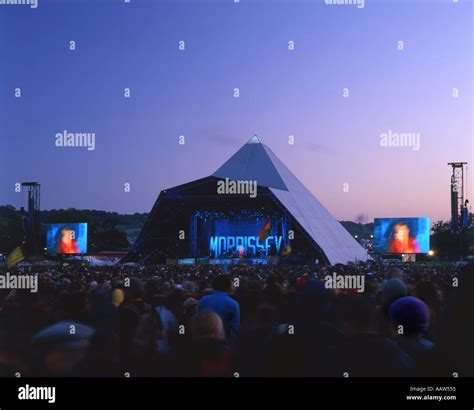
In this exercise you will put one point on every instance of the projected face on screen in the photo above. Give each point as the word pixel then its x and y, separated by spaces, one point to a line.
pixel 67 238
pixel 401 235
pixel 401 241
pixel 67 241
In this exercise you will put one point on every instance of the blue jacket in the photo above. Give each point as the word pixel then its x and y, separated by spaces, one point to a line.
pixel 226 307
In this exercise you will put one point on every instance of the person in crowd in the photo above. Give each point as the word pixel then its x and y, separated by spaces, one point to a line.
pixel 169 322
pixel 60 348
pixel 456 336
pixel 14 353
pixel 302 349
pixel 428 292
pixel 249 296
pixel 410 317
pixel 392 290
pixel 102 317
pixel 221 303
pixel 190 307
pixel 356 318
pixel 208 354
pixel 396 273
pixel 254 339
pixel 129 315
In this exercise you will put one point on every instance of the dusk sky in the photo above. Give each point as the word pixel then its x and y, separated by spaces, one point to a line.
pixel 282 92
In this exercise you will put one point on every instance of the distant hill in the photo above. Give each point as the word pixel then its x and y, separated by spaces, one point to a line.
pixel 363 231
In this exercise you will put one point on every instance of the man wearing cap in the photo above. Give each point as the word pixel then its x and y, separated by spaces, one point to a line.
pixel 59 348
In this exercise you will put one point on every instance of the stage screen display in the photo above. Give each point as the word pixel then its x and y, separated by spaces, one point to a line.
pixel 401 235
pixel 66 238
pixel 244 233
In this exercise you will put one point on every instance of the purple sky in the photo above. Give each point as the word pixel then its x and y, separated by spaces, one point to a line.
pixel 282 93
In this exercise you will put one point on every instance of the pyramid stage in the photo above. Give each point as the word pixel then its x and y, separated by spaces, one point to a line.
pixel 251 210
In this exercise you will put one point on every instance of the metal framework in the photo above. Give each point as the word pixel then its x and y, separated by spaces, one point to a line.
pixel 457 192
pixel 32 227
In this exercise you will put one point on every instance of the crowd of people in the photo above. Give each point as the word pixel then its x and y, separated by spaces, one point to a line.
pixel 169 320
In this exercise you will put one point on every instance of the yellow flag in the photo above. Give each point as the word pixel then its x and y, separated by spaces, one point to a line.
pixel 287 250
pixel 16 256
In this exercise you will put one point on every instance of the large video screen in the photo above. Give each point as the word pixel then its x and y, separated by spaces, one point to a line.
pixel 244 233
pixel 401 235
pixel 67 238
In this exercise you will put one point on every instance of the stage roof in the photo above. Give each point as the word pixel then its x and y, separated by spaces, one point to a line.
pixel 255 161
